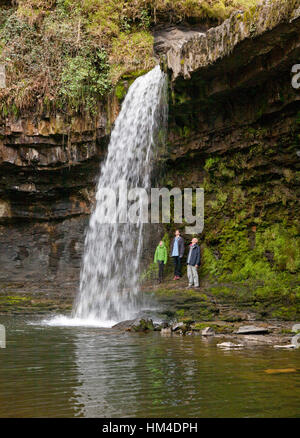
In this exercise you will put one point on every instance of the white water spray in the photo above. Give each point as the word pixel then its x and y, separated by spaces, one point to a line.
pixel 110 271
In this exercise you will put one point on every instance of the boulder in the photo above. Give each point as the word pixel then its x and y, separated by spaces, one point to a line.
pixel 178 326
pixel 296 328
pixel 135 325
pixel 208 331
pixel 296 341
pixel 144 325
pixel 251 329
pixel 125 325
pixel 157 327
pixel 166 331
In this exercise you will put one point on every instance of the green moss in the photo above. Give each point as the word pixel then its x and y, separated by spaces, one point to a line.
pixel 269 266
pixel 211 163
pixel 285 331
pixel 144 325
pixel 251 239
pixel 11 300
pixel 186 303
pixel 218 328
pixel 289 313
pixel 18 304
pixel 180 313
pixel 131 53
pixel 120 91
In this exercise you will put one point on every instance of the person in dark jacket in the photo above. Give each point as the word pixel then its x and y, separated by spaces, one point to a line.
pixel 193 262
pixel 177 252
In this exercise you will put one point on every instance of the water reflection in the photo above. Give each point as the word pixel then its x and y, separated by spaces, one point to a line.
pixel 148 375
pixel 127 375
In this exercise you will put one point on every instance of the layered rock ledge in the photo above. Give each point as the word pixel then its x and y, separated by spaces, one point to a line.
pixel 202 49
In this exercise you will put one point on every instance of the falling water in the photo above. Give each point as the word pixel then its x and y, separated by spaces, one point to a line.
pixel 110 271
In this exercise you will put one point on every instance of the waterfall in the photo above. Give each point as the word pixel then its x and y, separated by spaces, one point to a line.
pixel 109 279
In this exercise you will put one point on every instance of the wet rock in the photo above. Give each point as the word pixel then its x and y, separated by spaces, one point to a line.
pixel 296 341
pixel 208 331
pixel 285 347
pixel 125 325
pixel 251 329
pixel 172 36
pixel 181 328
pixel 166 331
pixel 177 326
pixel 135 325
pixel 259 340
pixel 157 327
pixel 144 325
pixel 296 328
pixel 229 345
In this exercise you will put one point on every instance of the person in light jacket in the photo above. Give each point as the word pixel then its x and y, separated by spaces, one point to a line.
pixel 193 262
pixel 177 252
pixel 161 258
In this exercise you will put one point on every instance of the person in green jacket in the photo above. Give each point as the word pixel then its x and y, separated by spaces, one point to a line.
pixel 161 258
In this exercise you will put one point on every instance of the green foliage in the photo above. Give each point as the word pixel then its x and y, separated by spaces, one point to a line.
pixel 284 244
pixel 84 80
pixel 211 163
pixel 289 313
pixel 166 240
pixel 180 313
pixel 270 268
pixel 199 326
pixel 131 52
pixel 120 91
pixel 211 266
pixel 50 46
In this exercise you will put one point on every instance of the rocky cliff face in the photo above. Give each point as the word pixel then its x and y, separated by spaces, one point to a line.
pixel 49 166
pixel 233 129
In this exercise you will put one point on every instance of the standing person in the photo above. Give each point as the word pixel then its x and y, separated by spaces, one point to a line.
pixel 193 262
pixel 177 251
pixel 161 258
